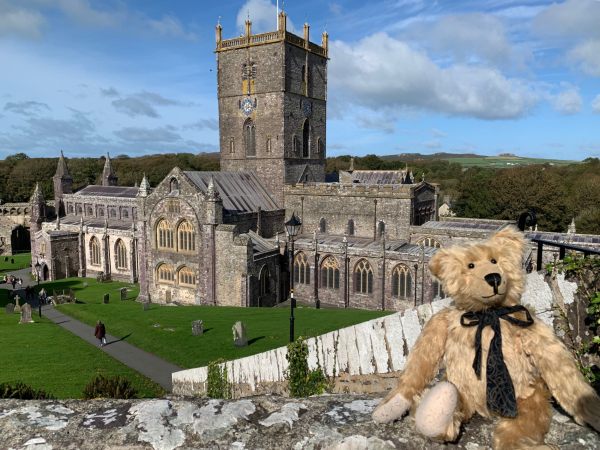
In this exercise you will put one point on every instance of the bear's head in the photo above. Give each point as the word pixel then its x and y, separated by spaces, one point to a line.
pixel 483 275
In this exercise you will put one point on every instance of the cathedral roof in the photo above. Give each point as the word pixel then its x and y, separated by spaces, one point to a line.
pixel 239 191
pixel 108 191
pixel 378 176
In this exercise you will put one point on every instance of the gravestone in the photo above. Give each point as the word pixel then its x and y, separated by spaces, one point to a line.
pixel 10 308
pixel 146 306
pixel 17 306
pixel 197 328
pixel 123 292
pixel 106 298
pixel 240 338
pixel 26 314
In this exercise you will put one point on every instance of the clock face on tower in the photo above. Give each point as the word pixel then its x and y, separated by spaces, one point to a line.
pixel 247 106
pixel 306 108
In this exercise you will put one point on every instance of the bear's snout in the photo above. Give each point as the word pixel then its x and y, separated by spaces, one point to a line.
pixel 494 280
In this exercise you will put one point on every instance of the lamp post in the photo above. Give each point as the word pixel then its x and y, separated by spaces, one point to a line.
pixel 292 227
pixel 37 270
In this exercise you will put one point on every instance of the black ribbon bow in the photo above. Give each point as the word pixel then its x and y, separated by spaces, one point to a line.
pixel 500 392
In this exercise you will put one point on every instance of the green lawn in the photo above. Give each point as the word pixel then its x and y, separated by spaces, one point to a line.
pixel 21 261
pixel 45 356
pixel 166 331
pixel 505 161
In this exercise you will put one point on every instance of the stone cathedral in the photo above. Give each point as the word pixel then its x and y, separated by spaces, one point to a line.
pixel 217 238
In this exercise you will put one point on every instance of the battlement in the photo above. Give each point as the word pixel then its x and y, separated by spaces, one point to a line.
pixel 249 39
pixel 351 189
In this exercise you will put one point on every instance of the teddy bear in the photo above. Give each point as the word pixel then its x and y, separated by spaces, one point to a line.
pixel 499 360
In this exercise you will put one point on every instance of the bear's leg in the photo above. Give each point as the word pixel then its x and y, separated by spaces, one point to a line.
pixel 438 415
pixel 527 430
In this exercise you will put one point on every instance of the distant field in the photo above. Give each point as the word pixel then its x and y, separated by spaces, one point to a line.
pixel 505 161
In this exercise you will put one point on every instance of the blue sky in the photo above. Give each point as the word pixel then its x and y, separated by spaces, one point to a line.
pixel 137 77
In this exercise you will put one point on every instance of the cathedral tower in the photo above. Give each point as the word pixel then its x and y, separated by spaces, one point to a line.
pixel 272 90
pixel 63 184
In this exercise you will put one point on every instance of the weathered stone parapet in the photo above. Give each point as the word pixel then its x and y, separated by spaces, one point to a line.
pixel 366 351
pixel 264 422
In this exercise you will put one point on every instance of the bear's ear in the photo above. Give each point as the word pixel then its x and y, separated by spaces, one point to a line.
pixel 444 261
pixel 510 241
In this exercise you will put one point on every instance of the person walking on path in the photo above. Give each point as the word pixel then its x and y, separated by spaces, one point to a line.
pixel 100 333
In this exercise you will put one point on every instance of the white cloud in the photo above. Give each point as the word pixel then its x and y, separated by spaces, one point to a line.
pixel 587 56
pixel 19 21
pixel 466 37
pixel 82 12
pixel 570 18
pixel 171 27
pixel 568 102
pixel 596 104
pixel 376 123
pixel 263 15
pixel 141 104
pixel 381 72
pixel 28 108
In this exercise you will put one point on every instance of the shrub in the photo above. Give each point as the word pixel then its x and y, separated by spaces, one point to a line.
pixel 22 391
pixel 217 384
pixel 109 387
pixel 302 381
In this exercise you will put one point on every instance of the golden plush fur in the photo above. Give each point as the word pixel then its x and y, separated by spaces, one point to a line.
pixel 538 363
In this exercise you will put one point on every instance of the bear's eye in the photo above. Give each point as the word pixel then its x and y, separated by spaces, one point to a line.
pixel 493 261
pixel 471 266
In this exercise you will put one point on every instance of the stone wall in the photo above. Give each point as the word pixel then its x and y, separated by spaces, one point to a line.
pixel 366 205
pixel 332 422
pixel 378 346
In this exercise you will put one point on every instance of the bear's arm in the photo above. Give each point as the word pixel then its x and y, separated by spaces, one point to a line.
pixel 421 366
pixel 558 369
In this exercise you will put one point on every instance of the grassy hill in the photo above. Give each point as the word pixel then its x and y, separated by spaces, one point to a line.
pixel 473 160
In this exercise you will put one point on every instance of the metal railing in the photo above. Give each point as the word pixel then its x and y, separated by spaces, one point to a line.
pixel 562 249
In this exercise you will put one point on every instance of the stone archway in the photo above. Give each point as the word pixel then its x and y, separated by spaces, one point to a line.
pixel 20 240
pixel 45 273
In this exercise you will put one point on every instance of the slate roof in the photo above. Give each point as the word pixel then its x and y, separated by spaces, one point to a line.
pixel 108 191
pixel 240 191
pixel 261 245
pixel 366 244
pixel 465 225
pixel 377 176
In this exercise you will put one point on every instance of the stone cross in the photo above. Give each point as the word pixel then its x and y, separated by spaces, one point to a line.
pixel 10 308
pixel 26 314
pixel 240 337
pixel 17 305
pixel 197 328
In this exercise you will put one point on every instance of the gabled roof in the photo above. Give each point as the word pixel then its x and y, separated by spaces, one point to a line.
pixel 240 191
pixel 108 191
pixel 378 176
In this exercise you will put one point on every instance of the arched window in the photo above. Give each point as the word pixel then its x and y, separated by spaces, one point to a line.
pixel 350 229
pixel 94 251
pixel 113 213
pixel 429 242
pixel 79 210
pixel 436 289
pixel 295 145
pixel 121 254
pixel 164 274
pixel 186 277
pixel 363 277
pixel 301 269
pixel 401 282
pixel 231 145
pixel 380 228
pixel 305 139
pixel 322 225
pixel 265 281
pixel 186 237
pixel 90 211
pixel 70 207
pixel 164 235
pixel 250 137
pixel 125 214
pixel 174 185
pixel 320 146
pixel 101 212
pixel 268 144
pixel 330 273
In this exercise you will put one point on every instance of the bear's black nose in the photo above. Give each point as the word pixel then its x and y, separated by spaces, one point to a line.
pixel 493 279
